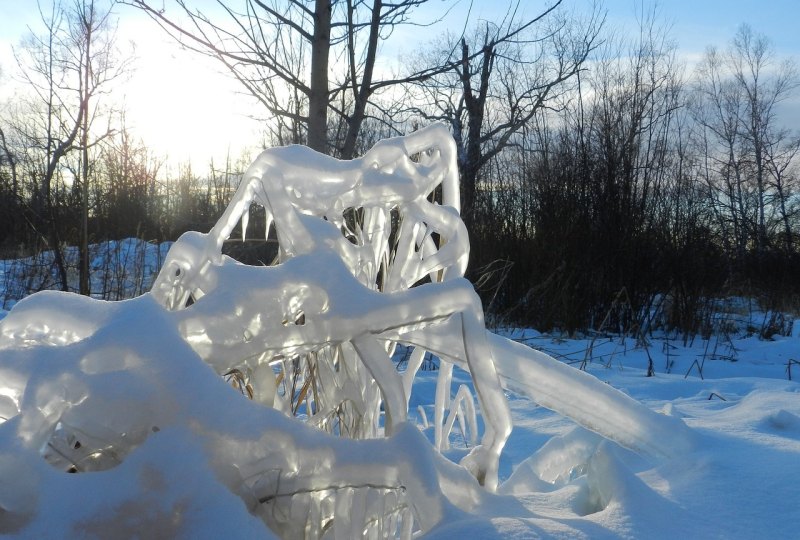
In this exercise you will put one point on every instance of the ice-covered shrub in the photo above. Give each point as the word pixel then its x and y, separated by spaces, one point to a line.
pixel 371 255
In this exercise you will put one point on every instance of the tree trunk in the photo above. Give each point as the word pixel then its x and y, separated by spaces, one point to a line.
pixel 84 247
pixel 53 237
pixel 475 105
pixel 318 96
pixel 360 106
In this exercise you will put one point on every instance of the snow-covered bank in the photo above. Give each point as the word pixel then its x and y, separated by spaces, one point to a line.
pixel 119 269
pixel 738 481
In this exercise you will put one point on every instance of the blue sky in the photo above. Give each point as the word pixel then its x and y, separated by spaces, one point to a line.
pixel 695 23
pixel 184 107
pixel 698 23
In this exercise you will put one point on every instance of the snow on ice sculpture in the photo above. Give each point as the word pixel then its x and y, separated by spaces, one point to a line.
pixel 114 387
pixel 366 260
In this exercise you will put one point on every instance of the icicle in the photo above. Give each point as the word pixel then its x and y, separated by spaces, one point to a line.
pixel 423 416
pixel 267 225
pixel 463 411
pixel 442 404
pixel 412 367
pixel 245 220
pixel 407 527
pixel 358 512
pixel 343 528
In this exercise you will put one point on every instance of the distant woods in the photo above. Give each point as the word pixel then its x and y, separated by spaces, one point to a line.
pixel 71 173
pixel 604 185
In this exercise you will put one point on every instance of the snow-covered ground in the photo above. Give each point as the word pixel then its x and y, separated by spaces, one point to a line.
pixel 739 481
pixel 118 269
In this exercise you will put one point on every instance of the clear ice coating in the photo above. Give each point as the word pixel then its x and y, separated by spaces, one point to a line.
pixel 371 255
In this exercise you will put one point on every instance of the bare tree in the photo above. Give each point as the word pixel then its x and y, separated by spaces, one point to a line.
pixel 8 159
pixel 782 164
pixel 599 188
pixel 10 200
pixel 49 131
pixel 284 51
pixel 738 94
pixel 67 68
pixel 716 109
pixel 95 62
pixel 502 76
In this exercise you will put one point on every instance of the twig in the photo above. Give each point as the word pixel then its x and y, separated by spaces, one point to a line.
pixel 789 367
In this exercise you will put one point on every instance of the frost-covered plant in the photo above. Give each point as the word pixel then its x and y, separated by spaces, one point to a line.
pixel 368 259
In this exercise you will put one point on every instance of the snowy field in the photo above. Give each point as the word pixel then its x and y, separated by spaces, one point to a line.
pixel 119 270
pixel 236 401
pixel 739 481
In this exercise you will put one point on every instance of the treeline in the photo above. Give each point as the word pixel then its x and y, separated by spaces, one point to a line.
pixel 604 185
pixel 131 194
pixel 71 173
pixel 648 196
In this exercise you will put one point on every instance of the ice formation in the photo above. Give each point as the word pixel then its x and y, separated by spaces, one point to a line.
pixel 371 256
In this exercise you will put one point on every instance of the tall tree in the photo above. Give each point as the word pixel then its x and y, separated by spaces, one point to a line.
pixel 782 156
pixel 738 95
pixel 95 62
pixel 67 67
